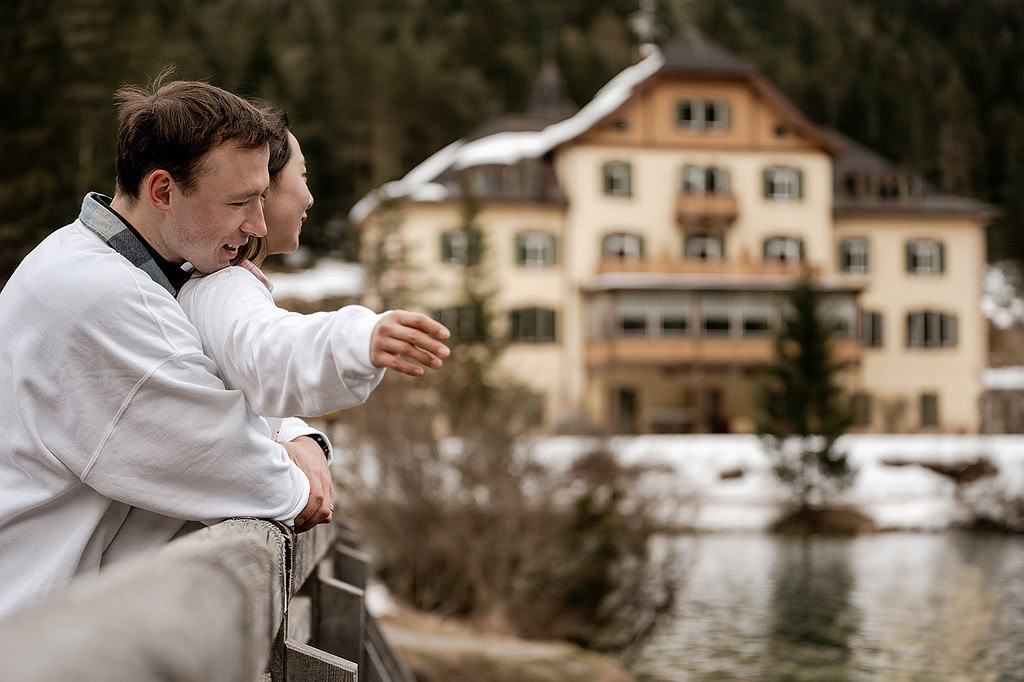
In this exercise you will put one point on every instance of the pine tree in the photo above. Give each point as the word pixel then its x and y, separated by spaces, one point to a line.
pixel 804 407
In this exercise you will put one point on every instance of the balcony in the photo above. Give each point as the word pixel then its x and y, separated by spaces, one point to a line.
pixel 705 210
pixel 673 329
pixel 696 266
pixel 684 351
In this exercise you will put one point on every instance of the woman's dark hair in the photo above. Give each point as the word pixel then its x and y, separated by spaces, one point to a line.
pixel 280 153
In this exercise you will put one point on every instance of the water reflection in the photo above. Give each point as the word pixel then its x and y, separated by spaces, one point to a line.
pixel 812 619
pixel 897 606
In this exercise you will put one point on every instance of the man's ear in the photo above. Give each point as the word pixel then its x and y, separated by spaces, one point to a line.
pixel 159 187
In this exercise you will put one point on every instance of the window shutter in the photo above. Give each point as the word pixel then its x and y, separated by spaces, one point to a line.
pixel 801 243
pixel 552 258
pixel 520 249
pixel 765 249
pixel 513 324
pixel 446 247
pixel 604 245
pixel 910 326
pixel 799 184
pixel 720 238
pixel 474 247
pixel 910 256
pixel 547 332
pixel 942 257
pixel 767 178
pixel 844 263
pixel 640 245
pixel 725 114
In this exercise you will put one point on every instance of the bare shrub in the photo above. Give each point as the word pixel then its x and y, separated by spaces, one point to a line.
pixel 475 527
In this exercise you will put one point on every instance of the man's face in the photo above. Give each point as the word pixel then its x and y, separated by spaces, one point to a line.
pixel 226 207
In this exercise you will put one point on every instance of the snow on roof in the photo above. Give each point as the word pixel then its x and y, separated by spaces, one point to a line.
pixel 1000 303
pixel 415 179
pixel 328 278
pixel 1004 379
pixel 509 147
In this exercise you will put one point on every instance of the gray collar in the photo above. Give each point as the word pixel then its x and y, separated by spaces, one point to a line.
pixel 98 217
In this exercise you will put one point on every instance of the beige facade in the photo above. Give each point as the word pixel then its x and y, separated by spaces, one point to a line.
pixel 671 222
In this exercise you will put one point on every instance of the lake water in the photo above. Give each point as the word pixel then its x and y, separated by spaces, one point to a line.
pixel 892 606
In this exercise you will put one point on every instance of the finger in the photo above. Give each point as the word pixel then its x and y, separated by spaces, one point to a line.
pixel 424 323
pixel 394 347
pixel 422 357
pixel 399 365
pixel 419 339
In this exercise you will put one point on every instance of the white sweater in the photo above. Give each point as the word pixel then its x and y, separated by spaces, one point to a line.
pixel 285 363
pixel 116 426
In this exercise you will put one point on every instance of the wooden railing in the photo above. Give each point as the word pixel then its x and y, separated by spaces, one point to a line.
pixel 242 600
pixel 696 266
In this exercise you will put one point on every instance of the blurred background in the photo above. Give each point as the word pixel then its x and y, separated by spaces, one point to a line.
pixel 375 87
pixel 622 455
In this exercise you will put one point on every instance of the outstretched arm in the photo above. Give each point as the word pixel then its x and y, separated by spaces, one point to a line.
pixel 289 364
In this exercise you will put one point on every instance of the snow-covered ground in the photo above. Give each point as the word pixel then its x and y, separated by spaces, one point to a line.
pixel 328 278
pixel 896 497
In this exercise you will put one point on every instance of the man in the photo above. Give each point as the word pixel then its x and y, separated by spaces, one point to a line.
pixel 116 426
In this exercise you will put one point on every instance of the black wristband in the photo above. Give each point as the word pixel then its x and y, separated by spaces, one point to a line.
pixel 322 442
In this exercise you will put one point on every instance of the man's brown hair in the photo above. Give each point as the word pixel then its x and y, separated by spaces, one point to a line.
pixel 172 126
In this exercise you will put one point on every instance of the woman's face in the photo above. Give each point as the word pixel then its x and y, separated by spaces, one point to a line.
pixel 286 203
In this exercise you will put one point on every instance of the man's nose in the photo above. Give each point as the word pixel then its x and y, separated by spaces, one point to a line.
pixel 310 204
pixel 255 224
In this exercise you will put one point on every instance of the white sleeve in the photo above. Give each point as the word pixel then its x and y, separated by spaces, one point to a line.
pixel 291 428
pixel 183 446
pixel 285 363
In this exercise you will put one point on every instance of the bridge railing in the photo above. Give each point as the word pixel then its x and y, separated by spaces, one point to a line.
pixel 242 600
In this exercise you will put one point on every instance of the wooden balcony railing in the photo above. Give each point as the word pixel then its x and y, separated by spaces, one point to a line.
pixel 695 266
pixel 706 210
pixel 682 351
pixel 243 600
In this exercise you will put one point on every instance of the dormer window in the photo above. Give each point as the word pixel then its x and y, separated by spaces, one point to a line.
pixel 716 115
pixel 702 114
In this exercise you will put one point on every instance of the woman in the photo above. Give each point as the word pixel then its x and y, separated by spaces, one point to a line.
pixel 285 363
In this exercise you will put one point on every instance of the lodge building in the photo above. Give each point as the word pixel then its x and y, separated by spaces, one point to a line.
pixel 641 248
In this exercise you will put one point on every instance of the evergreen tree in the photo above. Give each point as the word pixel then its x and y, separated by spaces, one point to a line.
pixel 804 407
pixel 469 387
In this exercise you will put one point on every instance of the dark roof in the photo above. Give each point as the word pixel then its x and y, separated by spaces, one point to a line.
pixel 856 159
pixel 549 103
pixel 691 51
pixel 549 98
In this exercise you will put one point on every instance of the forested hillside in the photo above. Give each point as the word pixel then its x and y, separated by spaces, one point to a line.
pixel 375 86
